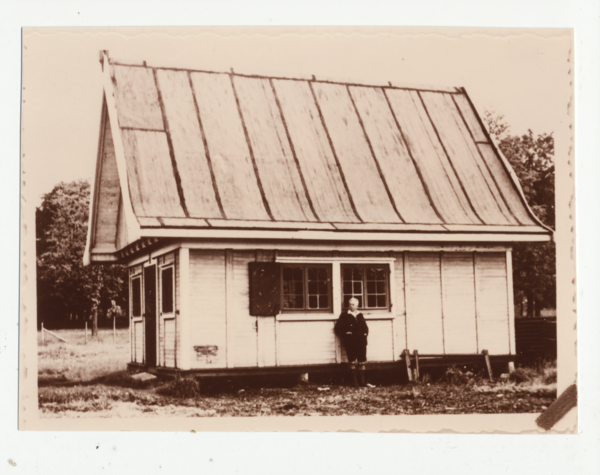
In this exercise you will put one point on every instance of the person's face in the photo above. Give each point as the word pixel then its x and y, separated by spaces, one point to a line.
pixel 353 305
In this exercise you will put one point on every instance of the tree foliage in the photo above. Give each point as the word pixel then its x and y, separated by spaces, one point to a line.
pixel 65 288
pixel 532 159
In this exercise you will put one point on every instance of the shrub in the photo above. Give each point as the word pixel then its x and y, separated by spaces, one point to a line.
pixel 182 388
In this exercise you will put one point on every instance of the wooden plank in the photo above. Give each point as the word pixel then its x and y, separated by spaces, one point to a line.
pixel 416 355
pixel 396 164
pixel 229 308
pixel 505 183
pixel 306 343
pixel 511 303
pixel 315 157
pixel 229 153
pixel 245 337
pixel 109 190
pixel 367 189
pixel 236 223
pixel 136 98
pixel 151 181
pixel 121 238
pixel 488 364
pixel 492 302
pixel 424 303
pixel 188 146
pixel 438 176
pixel 390 227
pixel 169 337
pixel 464 156
pixel 381 340
pixel 275 162
pixel 399 302
pixel 407 361
pixel 460 334
pixel 208 309
pixel 470 118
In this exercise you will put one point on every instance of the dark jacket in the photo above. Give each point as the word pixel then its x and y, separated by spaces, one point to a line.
pixel 356 326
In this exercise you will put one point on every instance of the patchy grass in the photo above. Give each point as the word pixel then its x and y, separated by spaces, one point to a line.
pixel 90 380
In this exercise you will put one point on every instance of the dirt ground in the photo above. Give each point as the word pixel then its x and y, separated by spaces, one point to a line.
pixel 89 380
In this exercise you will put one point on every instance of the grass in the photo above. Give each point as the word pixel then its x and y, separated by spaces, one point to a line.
pixel 90 380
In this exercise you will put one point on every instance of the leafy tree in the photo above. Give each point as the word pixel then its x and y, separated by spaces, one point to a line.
pixel 532 159
pixel 65 288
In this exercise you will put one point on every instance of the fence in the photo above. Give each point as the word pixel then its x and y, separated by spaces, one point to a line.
pixel 536 337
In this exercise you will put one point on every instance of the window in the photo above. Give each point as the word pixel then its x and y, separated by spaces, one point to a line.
pixel 136 296
pixel 167 290
pixel 306 287
pixel 367 283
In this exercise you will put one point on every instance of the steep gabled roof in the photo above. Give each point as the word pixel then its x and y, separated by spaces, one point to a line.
pixel 198 150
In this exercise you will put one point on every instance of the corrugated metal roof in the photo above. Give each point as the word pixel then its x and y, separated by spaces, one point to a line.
pixel 209 149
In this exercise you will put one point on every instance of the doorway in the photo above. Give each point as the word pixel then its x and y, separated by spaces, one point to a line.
pixel 150 314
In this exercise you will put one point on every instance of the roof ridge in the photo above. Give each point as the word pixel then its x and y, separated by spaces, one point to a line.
pixel 231 72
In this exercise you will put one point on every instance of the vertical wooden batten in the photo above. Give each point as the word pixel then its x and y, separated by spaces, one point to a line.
pixel 183 325
pixel 511 304
pixel 442 300
pixel 229 303
pixel 476 300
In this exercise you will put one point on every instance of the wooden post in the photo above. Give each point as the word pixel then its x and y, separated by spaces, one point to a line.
pixel 114 330
pixel 407 360
pixel 43 341
pixel 416 353
pixel 86 331
pixel 511 367
pixel 486 355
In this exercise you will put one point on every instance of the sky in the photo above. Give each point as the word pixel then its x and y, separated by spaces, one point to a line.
pixel 521 74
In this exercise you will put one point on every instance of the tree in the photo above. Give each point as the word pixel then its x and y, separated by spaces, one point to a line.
pixel 532 159
pixel 65 288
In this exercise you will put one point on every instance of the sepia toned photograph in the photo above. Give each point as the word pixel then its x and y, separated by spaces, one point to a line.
pixel 283 225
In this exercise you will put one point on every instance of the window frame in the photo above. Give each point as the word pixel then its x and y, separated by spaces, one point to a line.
pixel 305 266
pixel 364 266
pixel 141 299
pixel 162 270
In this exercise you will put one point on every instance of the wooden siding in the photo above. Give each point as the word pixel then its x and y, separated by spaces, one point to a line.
pixel 207 302
pixel 250 150
pixel 399 304
pixel 381 344
pixel 108 194
pixel 424 303
pixel 492 303
pixel 169 349
pixel 243 325
pixel 460 327
pixel 229 153
pixel 305 343
pixel 138 332
pixel 121 239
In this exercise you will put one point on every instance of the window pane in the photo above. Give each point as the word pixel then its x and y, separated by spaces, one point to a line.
pixel 136 297
pixel 287 273
pixel 370 287
pixel 323 301
pixel 360 300
pixel 298 301
pixel 347 273
pixel 322 287
pixel 298 273
pixel 167 290
pixel 371 301
pixel 312 287
pixel 370 274
pixel 380 274
pixel 313 301
pixel 347 287
pixel 357 287
pixel 312 274
pixel 322 274
pixel 381 301
pixel 298 287
pixel 357 274
pixel 381 287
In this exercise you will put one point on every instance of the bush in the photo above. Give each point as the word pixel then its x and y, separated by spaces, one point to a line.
pixel 182 388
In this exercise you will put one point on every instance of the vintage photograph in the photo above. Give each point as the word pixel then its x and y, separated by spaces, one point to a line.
pixel 294 226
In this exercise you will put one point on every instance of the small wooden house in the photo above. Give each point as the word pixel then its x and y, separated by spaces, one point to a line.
pixel 249 209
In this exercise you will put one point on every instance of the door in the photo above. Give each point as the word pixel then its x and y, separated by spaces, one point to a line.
pixel 150 314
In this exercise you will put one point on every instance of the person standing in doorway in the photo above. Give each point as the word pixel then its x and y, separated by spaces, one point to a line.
pixel 352 330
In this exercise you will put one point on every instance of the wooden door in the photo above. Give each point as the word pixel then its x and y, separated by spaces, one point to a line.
pixel 150 314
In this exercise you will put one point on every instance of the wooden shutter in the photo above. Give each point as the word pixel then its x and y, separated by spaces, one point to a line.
pixel 265 288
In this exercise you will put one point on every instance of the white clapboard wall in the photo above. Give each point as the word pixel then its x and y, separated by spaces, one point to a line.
pixel 442 303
